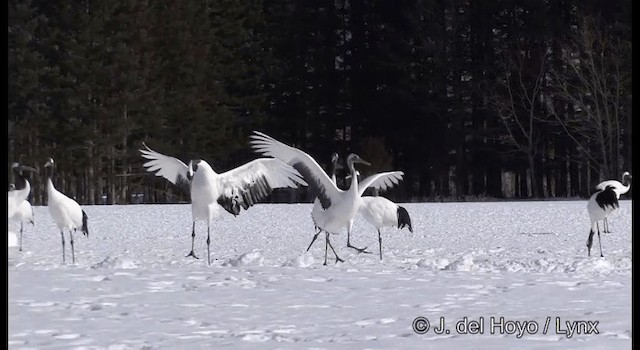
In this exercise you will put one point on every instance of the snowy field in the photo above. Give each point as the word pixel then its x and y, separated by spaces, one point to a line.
pixel 133 288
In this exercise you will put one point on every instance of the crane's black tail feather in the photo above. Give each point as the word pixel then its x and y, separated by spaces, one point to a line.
pixel 404 219
pixel 85 227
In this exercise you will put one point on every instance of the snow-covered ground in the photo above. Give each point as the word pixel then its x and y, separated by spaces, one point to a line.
pixel 133 288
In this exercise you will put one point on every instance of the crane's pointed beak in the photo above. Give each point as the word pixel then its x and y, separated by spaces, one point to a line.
pixel 362 161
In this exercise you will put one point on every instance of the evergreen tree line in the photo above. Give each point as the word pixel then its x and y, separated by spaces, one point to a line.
pixel 471 99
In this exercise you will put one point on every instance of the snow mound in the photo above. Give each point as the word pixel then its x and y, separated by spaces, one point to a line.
pixel 13 239
pixel 115 263
pixel 480 262
pixel 433 264
pixel 464 263
pixel 593 265
pixel 252 258
pixel 304 260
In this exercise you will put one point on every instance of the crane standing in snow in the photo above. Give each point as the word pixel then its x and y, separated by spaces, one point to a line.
pixel 66 212
pixel 332 172
pixel 21 190
pixel 337 207
pixel 18 206
pixel 601 204
pixel 231 191
pixel 381 212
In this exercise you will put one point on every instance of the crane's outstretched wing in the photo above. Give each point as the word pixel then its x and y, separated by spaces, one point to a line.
pixel 381 181
pixel 319 182
pixel 168 167
pixel 250 183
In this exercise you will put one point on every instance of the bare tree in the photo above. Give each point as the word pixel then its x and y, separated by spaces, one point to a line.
pixel 516 100
pixel 593 85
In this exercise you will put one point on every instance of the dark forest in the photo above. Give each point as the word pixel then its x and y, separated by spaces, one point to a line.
pixel 472 100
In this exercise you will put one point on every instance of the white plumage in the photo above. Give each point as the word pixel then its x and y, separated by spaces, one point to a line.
pixel 379 182
pixel 381 212
pixel 66 212
pixel 14 199
pixel 213 193
pixel 393 177
pixel 337 207
pixel 18 207
pixel 619 188
pixel 601 204
pixel 316 203
pixel 20 192
pixel 22 214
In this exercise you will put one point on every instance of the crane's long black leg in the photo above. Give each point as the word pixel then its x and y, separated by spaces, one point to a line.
pixel 21 226
pixel 314 237
pixel 334 251
pixel 606 225
pixel 600 243
pixel 209 243
pixel 62 235
pixel 380 243
pixel 73 254
pixel 193 239
pixel 326 244
pixel 590 242
pixel 359 250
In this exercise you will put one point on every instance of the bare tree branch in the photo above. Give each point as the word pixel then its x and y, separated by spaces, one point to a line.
pixel 515 100
pixel 591 83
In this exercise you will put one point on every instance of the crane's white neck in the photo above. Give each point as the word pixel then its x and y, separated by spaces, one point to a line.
pixel 354 177
pixel 333 172
pixel 625 182
pixel 50 186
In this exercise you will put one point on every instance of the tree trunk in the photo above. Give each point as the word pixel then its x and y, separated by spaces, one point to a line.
pixel 90 183
pixel 112 176
pixel 533 190
pixel 126 169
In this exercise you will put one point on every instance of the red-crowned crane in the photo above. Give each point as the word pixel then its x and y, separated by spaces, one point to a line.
pixel 334 166
pixel 601 204
pixel 337 207
pixel 212 194
pixel 619 188
pixel 66 212
pixel 381 212
pixel 18 207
